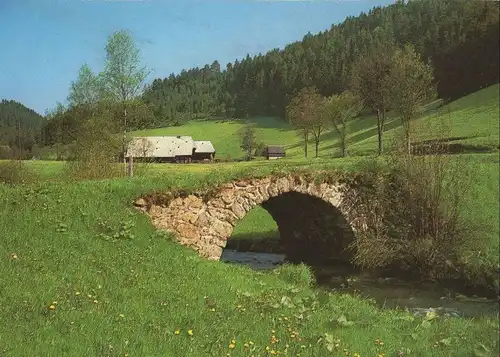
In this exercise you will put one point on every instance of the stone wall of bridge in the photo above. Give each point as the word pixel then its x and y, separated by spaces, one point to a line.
pixel 313 221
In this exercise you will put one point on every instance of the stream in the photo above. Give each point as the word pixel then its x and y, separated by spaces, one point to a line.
pixel 418 297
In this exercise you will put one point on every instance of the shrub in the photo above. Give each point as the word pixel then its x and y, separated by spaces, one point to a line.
pixel 96 150
pixel 299 275
pixel 16 172
pixel 411 208
pixel 260 150
pixel 5 152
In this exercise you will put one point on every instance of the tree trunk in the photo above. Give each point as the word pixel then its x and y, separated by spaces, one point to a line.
pixel 409 143
pixel 130 168
pixel 124 139
pixel 382 128
pixel 305 143
pixel 406 125
pixel 316 142
pixel 380 131
pixel 342 145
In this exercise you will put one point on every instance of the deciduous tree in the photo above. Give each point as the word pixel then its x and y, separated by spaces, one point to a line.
pixel 371 82
pixel 248 141
pixel 412 86
pixel 123 76
pixel 338 110
pixel 304 114
pixel 86 90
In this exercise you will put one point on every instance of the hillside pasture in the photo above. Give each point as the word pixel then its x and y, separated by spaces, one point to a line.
pixel 471 121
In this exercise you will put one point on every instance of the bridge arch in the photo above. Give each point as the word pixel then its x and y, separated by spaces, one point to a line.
pixel 311 216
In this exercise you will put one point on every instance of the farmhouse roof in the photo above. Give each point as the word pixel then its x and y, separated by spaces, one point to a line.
pixel 275 149
pixel 204 147
pixel 162 146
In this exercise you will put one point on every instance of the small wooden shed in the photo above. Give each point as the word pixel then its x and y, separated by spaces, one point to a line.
pixel 273 152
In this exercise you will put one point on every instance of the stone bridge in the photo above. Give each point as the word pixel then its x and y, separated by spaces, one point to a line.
pixel 312 218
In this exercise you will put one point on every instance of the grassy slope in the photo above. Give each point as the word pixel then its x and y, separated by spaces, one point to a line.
pixel 224 133
pixel 472 119
pixel 131 295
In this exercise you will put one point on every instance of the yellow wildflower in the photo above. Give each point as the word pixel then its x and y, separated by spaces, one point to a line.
pixel 190 332
pixel 177 332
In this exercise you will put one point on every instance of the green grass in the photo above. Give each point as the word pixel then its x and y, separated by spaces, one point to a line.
pixel 483 209
pixel 146 286
pixel 257 224
pixel 224 133
pixel 471 120
pixel 130 295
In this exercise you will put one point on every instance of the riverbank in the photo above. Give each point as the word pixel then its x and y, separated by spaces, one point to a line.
pixel 417 297
pixel 257 247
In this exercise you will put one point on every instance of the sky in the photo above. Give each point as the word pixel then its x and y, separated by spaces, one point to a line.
pixel 43 43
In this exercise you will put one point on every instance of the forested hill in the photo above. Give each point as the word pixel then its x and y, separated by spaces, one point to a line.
pixel 460 37
pixel 19 125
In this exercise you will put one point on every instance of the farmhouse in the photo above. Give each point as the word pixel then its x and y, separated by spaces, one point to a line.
pixel 170 149
pixel 273 152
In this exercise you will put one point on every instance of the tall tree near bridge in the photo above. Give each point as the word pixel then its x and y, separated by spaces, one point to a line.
pixel 339 110
pixel 123 76
pixel 412 86
pixel 303 113
pixel 371 81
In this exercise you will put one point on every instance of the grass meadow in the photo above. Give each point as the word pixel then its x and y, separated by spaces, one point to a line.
pixel 84 274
